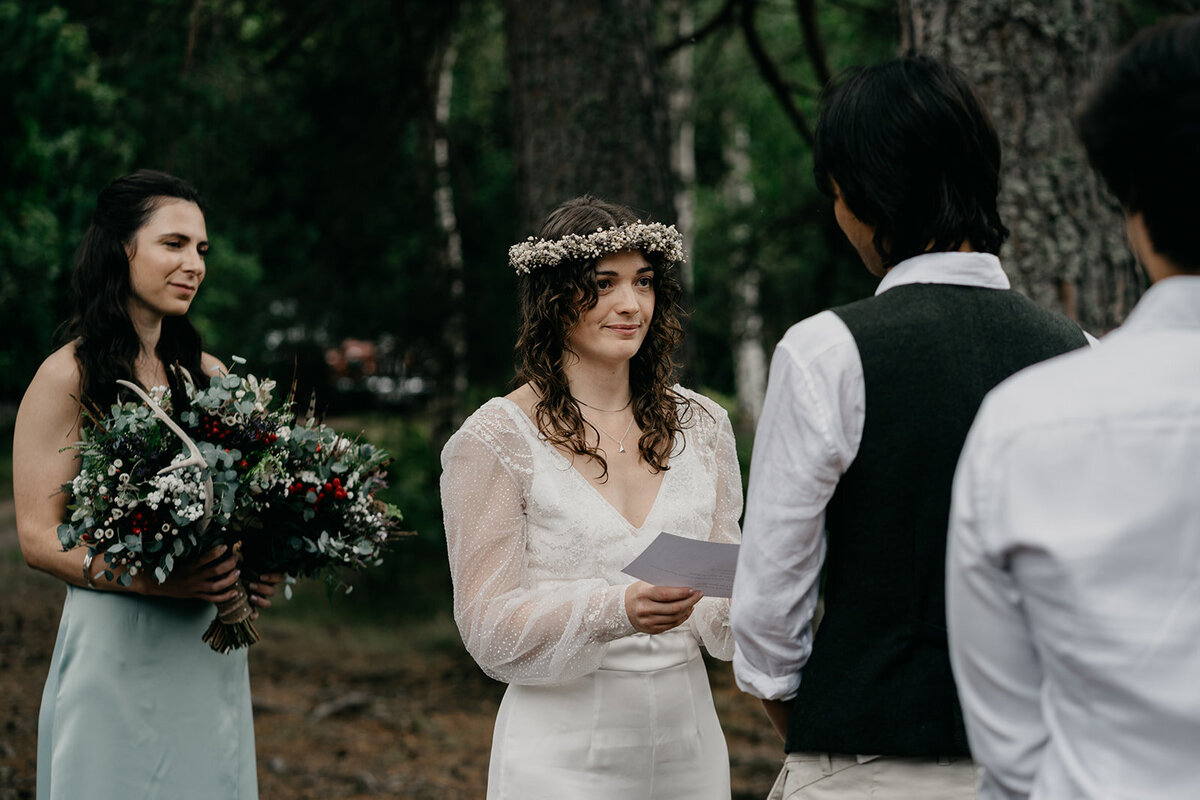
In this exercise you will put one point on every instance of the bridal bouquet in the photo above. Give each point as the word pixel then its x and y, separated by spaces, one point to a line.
pixel 156 488
pixel 152 484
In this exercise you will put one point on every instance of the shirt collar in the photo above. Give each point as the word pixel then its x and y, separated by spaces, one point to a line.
pixel 1172 302
pixel 962 269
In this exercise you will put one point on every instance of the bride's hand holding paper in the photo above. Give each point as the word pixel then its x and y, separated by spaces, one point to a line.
pixel 657 609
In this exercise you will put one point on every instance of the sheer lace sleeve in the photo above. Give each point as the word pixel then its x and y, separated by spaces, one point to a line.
pixel 710 620
pixel 516 633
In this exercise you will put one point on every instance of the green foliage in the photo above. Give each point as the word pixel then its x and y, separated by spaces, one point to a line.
pixel 414 579
pixel 309 128
pixel 792 239
pixel 60 137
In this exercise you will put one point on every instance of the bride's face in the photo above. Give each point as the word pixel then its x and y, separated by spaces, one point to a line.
pixel 614 328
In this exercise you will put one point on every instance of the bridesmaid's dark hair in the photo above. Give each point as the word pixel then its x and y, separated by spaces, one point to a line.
pixel 106 342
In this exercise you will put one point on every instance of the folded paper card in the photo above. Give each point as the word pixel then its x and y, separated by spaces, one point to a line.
pixel 672 560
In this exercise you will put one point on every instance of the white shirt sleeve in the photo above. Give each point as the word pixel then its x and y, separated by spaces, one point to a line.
pixel 516 633
pixel 808 435
pixel 996 666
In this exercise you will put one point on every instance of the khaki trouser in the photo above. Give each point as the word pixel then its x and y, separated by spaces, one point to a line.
pixel 821 776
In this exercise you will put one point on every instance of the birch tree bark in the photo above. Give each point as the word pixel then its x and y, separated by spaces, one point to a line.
pixel 749 359
pixel 588 112
pixel 681 100
pixel 455 332
pixel 1031 63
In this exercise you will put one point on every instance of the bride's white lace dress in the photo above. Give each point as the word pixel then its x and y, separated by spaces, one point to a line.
pixel 593 709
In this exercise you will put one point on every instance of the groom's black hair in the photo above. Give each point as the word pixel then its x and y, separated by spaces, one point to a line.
pixel 1141 130
pixel 916 156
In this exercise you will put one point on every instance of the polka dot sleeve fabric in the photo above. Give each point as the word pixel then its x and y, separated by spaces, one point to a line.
pixel 714 437
pixel 519 630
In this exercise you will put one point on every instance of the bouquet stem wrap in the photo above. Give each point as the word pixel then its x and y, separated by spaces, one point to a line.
pixel 233 627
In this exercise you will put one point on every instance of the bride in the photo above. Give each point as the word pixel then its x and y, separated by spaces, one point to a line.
pixel 549 491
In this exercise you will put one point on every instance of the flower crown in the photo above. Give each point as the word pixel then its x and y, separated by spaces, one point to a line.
pixel 651 237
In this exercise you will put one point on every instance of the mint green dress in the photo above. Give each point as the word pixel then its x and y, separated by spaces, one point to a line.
pixel 137 707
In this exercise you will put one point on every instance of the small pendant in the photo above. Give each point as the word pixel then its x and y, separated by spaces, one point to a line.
pixel 622 448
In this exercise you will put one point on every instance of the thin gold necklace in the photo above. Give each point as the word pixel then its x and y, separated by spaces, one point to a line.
pixel 605 410
pixel 620 442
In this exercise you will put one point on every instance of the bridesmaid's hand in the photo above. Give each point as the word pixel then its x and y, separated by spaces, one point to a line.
pixel 262 590
pixel 655 609
pixel 209 576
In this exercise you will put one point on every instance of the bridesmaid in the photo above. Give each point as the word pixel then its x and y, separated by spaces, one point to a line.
pixel 550 491
pixel 135 704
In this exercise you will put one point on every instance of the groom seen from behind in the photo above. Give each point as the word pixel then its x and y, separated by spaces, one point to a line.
pixel 867 408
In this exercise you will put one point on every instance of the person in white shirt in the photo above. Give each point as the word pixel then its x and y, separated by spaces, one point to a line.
pixel 1073 572
pixel 867 407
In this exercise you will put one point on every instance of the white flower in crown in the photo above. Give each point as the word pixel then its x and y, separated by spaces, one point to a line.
pixel 652 237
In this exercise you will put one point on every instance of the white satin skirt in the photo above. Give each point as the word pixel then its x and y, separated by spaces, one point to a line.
pixel 641 727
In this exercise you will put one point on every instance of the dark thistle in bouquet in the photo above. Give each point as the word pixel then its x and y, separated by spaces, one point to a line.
pixel 309 508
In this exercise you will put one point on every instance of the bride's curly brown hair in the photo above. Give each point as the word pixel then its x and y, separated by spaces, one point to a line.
pixel 552 300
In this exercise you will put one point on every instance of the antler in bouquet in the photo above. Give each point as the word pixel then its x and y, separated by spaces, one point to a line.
pixel 233 626
pixel 194 459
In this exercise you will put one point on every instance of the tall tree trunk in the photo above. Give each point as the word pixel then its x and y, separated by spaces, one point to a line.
pixel 681 101
pixel 455 332
pixel 1031 62
pixel 749 359
pixel 588 114
pixel 680 104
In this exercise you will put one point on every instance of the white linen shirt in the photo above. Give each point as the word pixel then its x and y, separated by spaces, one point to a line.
pixel 808 435
pixel 1073 567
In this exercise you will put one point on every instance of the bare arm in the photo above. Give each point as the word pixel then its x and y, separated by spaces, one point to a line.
pixel 48 421
pixel 777 712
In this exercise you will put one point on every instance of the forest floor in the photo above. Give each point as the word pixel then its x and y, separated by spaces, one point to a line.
pixel 351 709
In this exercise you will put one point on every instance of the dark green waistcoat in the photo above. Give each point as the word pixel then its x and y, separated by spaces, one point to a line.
pixel 878 680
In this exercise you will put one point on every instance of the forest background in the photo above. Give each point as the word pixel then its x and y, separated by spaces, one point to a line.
pixel 366 166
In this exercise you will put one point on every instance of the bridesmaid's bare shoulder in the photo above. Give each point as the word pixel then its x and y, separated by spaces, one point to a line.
pixel 50 409
pixel 59 374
